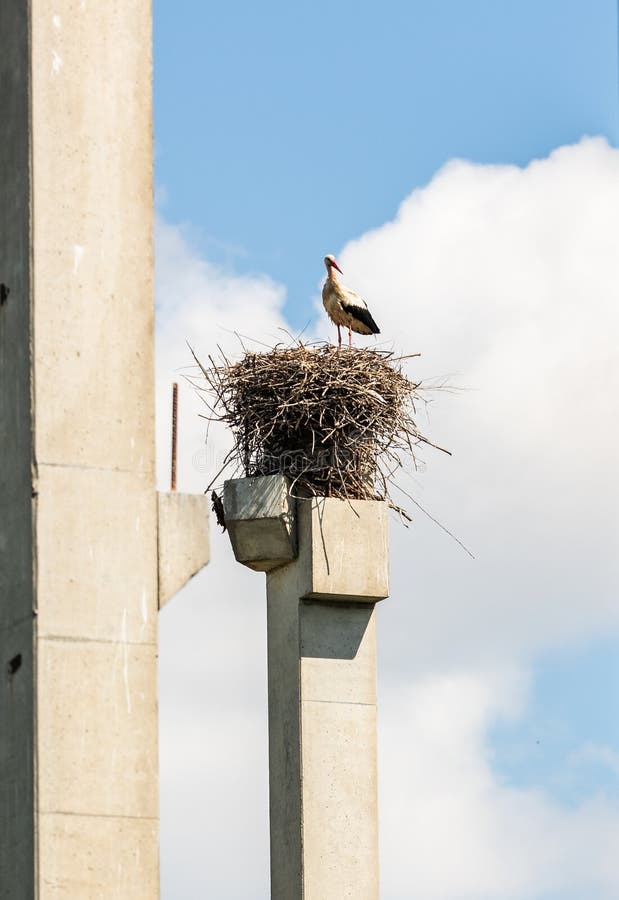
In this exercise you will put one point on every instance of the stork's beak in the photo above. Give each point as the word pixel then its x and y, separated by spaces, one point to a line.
pixel 335 266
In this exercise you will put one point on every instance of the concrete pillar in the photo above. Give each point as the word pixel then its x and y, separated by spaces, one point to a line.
pixel 322 684
pixel 79 590
pixel 78 626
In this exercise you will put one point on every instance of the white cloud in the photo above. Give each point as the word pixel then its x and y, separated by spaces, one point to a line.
pixel 213 739
pixel 506 277
pixel 202 305
pixel 213 736
pixel 451 829
pixel 598 755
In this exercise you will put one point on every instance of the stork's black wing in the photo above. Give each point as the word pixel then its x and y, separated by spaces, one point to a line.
pixel 363 314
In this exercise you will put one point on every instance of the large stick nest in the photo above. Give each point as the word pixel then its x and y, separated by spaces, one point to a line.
pixel 337 423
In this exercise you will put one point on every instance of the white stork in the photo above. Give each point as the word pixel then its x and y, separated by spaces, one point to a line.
pixel 344 307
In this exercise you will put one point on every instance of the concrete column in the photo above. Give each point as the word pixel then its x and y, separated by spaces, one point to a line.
pixel 322 683
pixel 78 530
pixel 17 594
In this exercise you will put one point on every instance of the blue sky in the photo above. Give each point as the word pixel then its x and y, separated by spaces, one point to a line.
pixel 285 132
pixel 574 703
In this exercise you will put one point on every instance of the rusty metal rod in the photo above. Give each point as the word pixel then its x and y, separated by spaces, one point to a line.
pixel 174 434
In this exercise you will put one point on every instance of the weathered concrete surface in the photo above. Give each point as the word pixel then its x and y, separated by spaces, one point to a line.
pixel 183 540
pixel 83 850
pixel 338 646
pixel 92 234
pixel 346 546
pixel 77 443
pixel 96 585
pixel 260 518
pixel 97 729
pixel 322 747
pixel 264 522
pixel 322 712
pixel 340 808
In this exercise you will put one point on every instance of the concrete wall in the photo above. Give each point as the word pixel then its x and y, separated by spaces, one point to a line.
pixel 77 337
pixel 182 540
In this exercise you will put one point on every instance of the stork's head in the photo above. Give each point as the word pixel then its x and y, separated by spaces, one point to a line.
pixel 331 263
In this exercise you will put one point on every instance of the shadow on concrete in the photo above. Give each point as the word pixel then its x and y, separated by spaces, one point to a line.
pixel 332 642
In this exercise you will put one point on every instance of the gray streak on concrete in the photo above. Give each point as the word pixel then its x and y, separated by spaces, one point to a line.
pixel 17 846
pixel 284 678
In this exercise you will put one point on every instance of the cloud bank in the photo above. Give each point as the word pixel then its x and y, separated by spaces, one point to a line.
pixel 506 280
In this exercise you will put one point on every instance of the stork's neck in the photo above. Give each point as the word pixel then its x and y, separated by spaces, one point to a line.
pixel 332 276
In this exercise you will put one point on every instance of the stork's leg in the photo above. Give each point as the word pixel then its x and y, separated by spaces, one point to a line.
pixel 350 337
pixel 339 337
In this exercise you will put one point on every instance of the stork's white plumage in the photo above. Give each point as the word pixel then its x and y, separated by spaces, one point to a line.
pixel 344 307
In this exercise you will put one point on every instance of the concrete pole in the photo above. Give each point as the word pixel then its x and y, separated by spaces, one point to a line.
pixel 80 585
pixel 322 681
